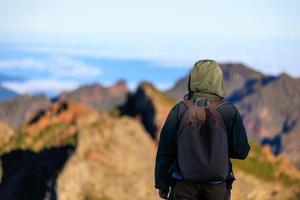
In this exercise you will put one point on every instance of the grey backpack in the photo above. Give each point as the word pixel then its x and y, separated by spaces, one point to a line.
pixel 202 152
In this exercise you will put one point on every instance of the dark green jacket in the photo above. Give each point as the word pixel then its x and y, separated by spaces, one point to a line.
pixel 205 82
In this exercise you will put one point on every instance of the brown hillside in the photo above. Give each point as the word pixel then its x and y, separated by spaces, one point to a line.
pixel 22 109
pixel 102 98
pixel 59 112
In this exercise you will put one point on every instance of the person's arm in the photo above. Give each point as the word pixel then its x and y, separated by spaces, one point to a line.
pixel 239 147
pixel 166 153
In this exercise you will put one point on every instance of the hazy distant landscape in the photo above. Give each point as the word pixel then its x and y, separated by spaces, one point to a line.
pixel 94 142
pixel 85 87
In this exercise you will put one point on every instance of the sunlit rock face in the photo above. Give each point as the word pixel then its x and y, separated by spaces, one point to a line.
pixel 150 106
pixel 114 159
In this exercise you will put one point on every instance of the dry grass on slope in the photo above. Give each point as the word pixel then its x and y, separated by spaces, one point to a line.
pixel 263 176
pixel 162 103
pixel 6 133
pixel 55 127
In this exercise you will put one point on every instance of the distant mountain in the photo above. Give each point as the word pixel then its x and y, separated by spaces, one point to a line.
pixel 235 75
pixel 271 110
pixel 100 97
pixel 6 94
pixel 22 109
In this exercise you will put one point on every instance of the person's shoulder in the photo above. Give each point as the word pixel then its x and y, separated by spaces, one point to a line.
pixel 179 107
pixel 179 104
pixel 227 107
pixel 227 104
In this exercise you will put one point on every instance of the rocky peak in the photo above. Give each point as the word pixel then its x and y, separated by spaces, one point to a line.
pixel 22 109
pixel 149 105
pixel 98 96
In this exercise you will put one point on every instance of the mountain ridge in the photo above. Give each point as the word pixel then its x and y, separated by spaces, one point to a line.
pixel 99 96
pixel 109 146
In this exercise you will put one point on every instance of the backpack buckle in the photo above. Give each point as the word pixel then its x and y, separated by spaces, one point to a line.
pixel 201 102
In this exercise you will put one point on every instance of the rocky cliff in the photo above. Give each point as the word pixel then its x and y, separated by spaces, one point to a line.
pixel 98 96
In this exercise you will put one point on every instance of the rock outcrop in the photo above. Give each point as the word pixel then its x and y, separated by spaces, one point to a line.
pixel 113 160
pixel 150 106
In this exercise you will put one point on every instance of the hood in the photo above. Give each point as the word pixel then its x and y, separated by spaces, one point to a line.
pixel 206 80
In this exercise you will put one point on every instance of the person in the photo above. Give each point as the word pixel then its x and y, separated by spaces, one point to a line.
pixel 205 82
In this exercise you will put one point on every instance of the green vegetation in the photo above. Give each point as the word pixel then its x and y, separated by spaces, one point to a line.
pixel 296 196
pixel 260 167
pixel 287 180
pixel 49 136
pixel 55 135
pixel 72 140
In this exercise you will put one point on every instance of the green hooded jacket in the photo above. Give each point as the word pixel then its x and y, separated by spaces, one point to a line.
pixel 205 81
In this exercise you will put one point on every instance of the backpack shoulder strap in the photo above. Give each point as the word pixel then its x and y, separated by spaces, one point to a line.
pixel 188 103
pixel 219 103
pixel 213 106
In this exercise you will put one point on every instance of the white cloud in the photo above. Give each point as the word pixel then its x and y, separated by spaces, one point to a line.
pixel 21 63
pixel 50 86
pixel 61 72
pixel 57 67
pixel 162 54
pixel 67 67
pixel 269 55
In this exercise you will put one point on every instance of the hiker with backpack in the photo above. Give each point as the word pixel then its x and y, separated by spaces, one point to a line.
pixel 199 137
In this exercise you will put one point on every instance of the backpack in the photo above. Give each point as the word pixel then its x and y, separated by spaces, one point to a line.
pixel 202 146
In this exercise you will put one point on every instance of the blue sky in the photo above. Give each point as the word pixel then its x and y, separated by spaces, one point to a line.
pixel 58 45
